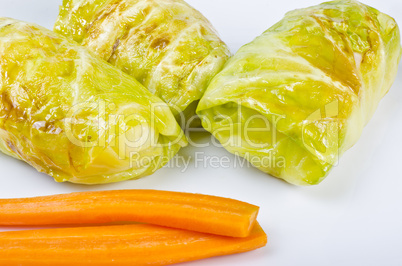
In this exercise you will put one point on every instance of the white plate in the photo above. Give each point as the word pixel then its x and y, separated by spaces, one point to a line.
pixel 353 218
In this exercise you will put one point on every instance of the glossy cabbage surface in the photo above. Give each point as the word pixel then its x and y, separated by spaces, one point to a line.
pixel 75 117
pixel 298 96
pixel 166 45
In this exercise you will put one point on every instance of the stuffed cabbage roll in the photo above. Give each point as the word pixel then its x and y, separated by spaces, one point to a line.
pixel 166 45
pixel 299 95
pixel 75 117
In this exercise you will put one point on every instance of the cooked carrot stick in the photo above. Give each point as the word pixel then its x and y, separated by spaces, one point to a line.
pixel 195 212
pixel 138 244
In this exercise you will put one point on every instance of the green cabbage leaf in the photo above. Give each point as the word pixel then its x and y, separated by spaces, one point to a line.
pixel 167 45
pixel 298 96
pixel 75 117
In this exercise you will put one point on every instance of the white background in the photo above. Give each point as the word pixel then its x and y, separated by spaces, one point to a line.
pixel 354 217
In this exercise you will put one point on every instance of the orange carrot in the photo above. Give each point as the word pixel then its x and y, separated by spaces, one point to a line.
pixel 138 244
pixel 195 212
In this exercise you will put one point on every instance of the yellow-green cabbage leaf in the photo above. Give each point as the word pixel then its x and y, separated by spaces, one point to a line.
pixel 167 45
pixel 75 117
pixel 298 96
